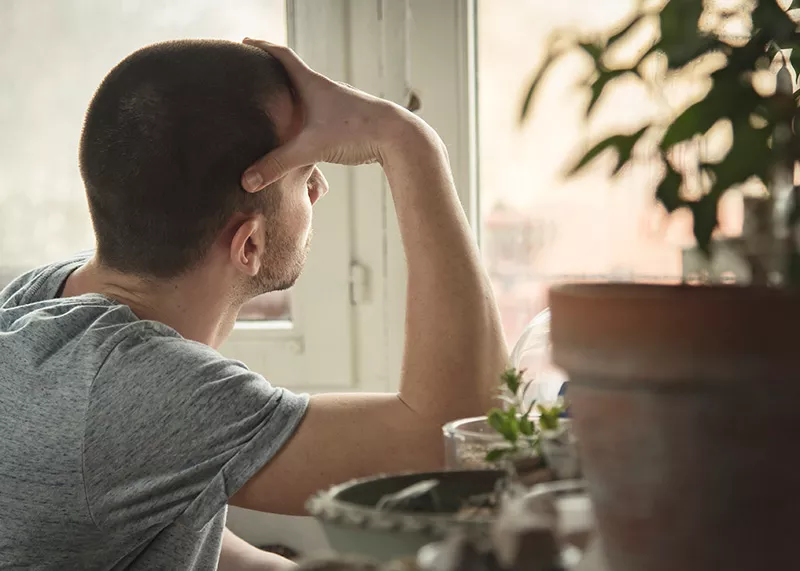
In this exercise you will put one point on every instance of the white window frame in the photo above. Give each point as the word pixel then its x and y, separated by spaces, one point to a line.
pixel 348 308
pixel 314 351
pixel 428 48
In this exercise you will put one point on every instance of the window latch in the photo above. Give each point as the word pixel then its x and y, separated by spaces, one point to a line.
pixel 359 283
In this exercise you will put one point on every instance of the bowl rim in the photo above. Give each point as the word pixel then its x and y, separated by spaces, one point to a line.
pixel 327 507
pixel 454 427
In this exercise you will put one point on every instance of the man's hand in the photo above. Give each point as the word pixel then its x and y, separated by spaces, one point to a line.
pixel 341 124
pixel 238 555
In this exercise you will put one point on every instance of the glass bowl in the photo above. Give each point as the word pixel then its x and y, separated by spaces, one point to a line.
pixel 466 442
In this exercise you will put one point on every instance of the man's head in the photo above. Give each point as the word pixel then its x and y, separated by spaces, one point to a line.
pixel 166 139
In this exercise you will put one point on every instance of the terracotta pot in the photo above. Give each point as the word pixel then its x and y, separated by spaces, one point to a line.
pixel 686 406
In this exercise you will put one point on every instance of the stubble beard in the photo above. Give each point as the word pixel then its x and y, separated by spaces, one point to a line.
pixel 281 265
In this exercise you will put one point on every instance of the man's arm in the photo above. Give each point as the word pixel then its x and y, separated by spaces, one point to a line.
pixel 454 348
pixel 238 555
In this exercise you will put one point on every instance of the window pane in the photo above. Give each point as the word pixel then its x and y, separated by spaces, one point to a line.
pixel 53 55
pixel 273 306
pixel 537 226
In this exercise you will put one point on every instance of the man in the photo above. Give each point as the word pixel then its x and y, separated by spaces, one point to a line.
pixel 126 433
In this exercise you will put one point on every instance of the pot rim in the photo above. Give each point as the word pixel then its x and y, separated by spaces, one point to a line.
pixel 629 334
pixel 614 290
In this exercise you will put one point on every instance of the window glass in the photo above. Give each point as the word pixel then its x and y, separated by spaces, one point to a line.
pixel 53 55
pixel 538 226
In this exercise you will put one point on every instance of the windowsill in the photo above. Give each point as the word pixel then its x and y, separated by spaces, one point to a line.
pixel 263 325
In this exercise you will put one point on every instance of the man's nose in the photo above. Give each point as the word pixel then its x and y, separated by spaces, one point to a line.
pixel 317 185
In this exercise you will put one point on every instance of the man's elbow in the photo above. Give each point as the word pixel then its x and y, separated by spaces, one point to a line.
pixel 424 437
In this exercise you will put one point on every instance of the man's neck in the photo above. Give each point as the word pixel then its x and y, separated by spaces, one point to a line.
pixel 197 305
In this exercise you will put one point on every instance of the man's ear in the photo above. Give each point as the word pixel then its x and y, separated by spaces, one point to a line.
pixel 248 244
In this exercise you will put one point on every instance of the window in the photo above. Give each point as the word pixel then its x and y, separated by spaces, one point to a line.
pixel 45 93
pixel 53 55
pixel 537 226
pixel 468 61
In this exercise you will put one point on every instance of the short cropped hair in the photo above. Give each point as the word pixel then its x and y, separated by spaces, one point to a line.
pixel 165 141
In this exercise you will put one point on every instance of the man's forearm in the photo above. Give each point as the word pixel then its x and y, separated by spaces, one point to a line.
pixel 238 555
pixel 454 349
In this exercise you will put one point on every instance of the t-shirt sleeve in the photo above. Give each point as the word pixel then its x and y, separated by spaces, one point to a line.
pixel 173 429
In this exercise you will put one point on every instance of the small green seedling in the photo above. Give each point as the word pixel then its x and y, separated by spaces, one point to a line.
pixel 514 424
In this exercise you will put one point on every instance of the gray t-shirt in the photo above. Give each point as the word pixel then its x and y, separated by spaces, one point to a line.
pixel 120 441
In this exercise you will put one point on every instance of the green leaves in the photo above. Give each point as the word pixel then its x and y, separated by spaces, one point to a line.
pixel 526 426
pixel 766 128
pixel 705 220
pixel 600 83
pixel 495 418
pixel 595 51
pixel 794 59
pixel 504 423
pixel 750 155
pixel 680 41
pixel 668 191
pixel 679 55
pixel 679 18
pixel 513 424
pixel 623 144
pixel 696 120
pixel 549 59
pixel 549 417
pixel 728 97
pixel 771 52
pixel 512 379
pixel 771 19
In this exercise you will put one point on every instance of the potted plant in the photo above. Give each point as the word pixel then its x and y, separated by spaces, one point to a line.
pixel 683 398
pixel 535 449
pixel 529 434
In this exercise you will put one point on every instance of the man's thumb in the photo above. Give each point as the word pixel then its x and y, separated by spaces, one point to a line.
pixel 273 166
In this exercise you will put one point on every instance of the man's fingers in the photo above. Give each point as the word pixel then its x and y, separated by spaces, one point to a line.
pixel 275 165
pixel 290 60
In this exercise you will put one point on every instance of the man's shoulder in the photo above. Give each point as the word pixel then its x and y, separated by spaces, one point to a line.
pixel 74 336
pixel 80 332
pixel 150 352
pixel 93 337
pixel 39 283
